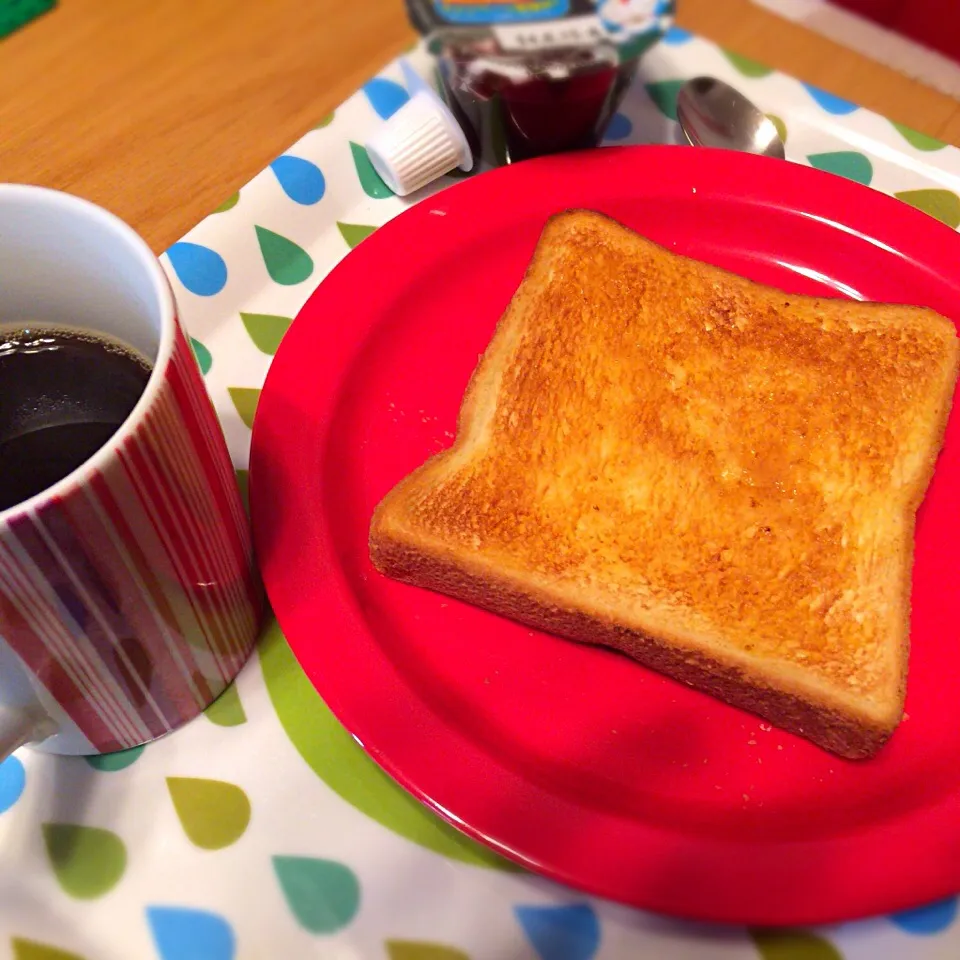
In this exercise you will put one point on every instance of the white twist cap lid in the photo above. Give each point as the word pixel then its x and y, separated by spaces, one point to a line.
pixel 420 142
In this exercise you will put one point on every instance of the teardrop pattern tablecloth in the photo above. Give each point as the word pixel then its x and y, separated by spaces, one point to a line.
pixel 262 829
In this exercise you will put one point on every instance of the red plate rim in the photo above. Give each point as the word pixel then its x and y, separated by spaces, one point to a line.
pixel 877 870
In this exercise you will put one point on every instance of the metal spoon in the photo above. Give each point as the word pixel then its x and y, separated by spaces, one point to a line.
pixel 714 114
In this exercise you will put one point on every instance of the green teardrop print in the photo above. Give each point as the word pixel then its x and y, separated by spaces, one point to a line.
pixel 419 950
pixel 204 360
pixel 793 945
pixel 323 895
pixel 31 950
pixel 243 482
pixel 370 180
pixel 779 124
pixel 354 233
pixel 942 204
pixel 112 762
pixel 746 66
pixel 326 121
pixel 213 814
pixel 337 759
pixel 844 163
pixel 918 140
pixel 266 330
pixel 664 95
pixel 227 710
pixel 229 203
pixel 87 861
pixel 245 399
pixel 286 262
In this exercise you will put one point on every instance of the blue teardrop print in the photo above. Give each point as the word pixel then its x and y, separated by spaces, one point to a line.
pixel 561 933
pixel 201 270
pixel 385 96
pixel 676 36
pixel 928 920
pixel 185 934
pixel 300 179
pixel 13 778
pixel 830 101
pixel 620 127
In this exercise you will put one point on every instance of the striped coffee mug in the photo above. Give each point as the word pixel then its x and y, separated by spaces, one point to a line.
pixel 128 594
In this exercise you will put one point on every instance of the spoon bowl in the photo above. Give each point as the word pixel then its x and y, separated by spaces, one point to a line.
pixel 711 113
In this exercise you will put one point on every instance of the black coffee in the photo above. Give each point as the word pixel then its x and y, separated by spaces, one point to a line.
pixel 63 394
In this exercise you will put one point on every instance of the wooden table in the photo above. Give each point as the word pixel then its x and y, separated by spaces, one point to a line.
pixel 160 109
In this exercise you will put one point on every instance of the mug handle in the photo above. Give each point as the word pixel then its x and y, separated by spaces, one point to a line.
pixel 18 727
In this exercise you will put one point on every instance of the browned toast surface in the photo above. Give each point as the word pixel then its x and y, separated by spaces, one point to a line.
pixel 718 478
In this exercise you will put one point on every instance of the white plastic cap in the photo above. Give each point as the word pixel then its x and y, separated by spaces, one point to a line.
pixel 420 142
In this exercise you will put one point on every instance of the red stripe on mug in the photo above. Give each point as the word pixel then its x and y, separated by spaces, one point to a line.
pixel 137 600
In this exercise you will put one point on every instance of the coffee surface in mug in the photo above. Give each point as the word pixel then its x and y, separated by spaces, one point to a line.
pixel 63 394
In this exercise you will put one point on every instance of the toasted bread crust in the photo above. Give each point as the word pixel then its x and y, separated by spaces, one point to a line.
pixel 826 726
pixel 640 531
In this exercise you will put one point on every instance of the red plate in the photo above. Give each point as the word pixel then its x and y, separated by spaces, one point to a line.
pixel 573 760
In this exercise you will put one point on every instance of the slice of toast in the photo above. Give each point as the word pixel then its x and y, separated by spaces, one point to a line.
pixel 712 476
